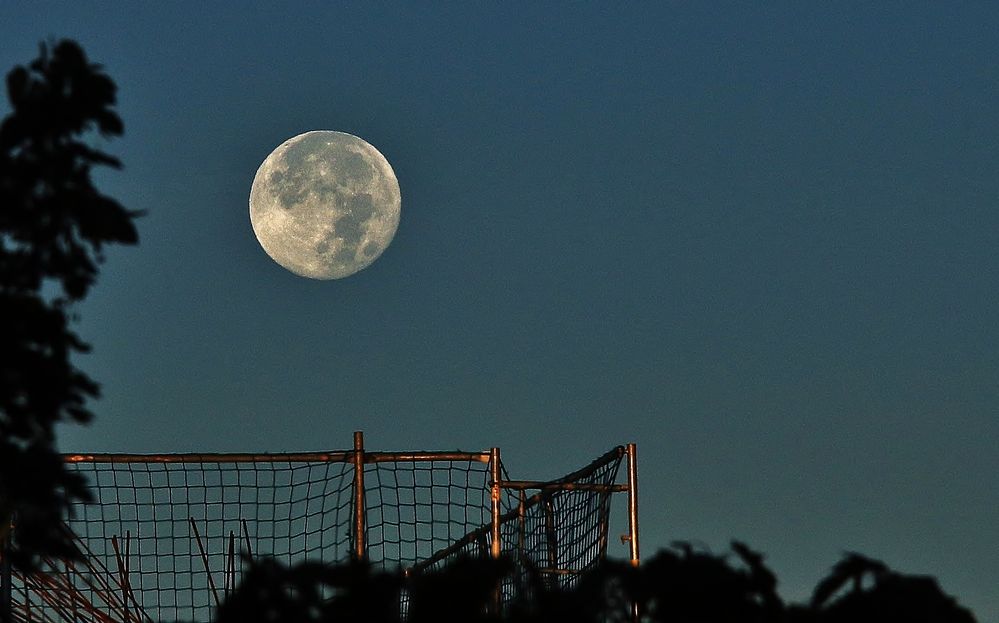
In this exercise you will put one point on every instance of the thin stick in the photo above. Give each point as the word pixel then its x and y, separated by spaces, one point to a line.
pixel 62 599
pixel 99 572
pixel 121 574
pixel 127 588
pixel 47 590
pixel 69 582
pixel 103 587
pixel 246 535
pixel 62 595
pixel 204 559
pixel 231 566
pixel 78 597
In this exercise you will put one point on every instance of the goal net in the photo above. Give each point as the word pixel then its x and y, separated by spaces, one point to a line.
pixel 165 536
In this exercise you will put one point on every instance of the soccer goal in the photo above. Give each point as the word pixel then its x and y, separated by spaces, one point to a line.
pixel 165 536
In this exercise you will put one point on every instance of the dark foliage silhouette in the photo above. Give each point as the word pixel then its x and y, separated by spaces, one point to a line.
pixel 877 594
pixel 678 585
pixel 54 225
pixel 356 592
pixel 462 592
pixel 311 592
pixel 682 584
pixel 599 597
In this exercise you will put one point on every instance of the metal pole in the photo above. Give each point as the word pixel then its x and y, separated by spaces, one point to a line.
pixel 494 467
pixel 633 503
pixel 360 548
pixel 496 547
pixel 633 518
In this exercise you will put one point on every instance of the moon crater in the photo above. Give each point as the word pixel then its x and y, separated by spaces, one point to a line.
pixel 325 204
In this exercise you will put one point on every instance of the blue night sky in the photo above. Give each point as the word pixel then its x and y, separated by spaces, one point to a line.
pixel 760 240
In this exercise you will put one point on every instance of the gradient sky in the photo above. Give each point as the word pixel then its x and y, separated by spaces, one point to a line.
pixel 761 240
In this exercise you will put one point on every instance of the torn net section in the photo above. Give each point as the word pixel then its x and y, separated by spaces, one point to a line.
pixel 162 541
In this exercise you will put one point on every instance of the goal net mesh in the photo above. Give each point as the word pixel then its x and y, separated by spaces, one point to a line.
pixel 164 539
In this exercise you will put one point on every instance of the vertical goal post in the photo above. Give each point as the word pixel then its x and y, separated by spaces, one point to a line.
pixel 162 539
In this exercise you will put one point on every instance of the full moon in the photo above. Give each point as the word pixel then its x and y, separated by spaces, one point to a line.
pixel 325 204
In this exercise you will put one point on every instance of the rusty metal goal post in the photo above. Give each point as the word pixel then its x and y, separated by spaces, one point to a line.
pixel 164 536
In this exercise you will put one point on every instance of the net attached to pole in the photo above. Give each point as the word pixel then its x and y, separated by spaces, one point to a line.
pixel 164 540
pixel 417 510
pixel 165 536
pixel 563 528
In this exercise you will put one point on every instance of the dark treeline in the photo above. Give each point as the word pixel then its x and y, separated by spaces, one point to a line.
pixel 678 585
pixel 54 225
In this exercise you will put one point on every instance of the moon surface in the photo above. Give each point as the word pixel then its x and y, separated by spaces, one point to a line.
pixel 325 204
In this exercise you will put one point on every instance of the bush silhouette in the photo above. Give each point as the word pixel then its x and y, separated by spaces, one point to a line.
pixel 681 584
pixel 877 594
pixel 677 585
pixel 311 593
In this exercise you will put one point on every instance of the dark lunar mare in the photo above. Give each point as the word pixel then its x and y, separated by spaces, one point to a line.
pixel 350 227
pixel 297 177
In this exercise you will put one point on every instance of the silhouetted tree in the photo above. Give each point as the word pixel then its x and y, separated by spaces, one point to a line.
pixel 869 592
pixel 54 225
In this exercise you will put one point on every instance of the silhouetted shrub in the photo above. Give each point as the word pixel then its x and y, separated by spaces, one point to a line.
pixel 862 590
pixel 678 585
pixel 310 593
